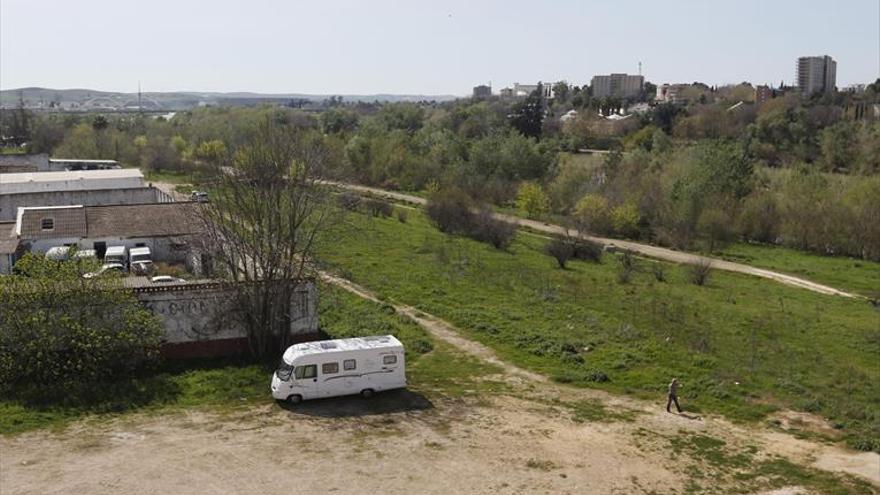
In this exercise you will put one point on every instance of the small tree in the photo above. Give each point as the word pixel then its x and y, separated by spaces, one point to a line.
pixel 625 220
pixel 265 223
pixel 561 250
pixel 451 211
pixel 700 271
pixel 592 214
pixel 531 200
pixel 62 335
pixel 487 228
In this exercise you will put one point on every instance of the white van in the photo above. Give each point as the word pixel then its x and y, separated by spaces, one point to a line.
pixel 116 254
pixel 329 368
pixel 140 260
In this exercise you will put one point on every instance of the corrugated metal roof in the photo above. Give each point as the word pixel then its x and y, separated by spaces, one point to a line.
pixel 24 177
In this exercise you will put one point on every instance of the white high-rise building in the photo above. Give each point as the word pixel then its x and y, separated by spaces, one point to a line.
pixel 816 74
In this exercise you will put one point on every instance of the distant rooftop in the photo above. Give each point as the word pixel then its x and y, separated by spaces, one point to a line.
pixel 121 173
pixel 80 160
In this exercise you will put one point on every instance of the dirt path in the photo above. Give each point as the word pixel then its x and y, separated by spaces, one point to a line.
pixel 642 249
pixel 828 457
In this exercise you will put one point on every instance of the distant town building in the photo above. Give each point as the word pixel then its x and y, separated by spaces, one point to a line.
pixel 482 91
pixel 671 93
pixel 816 74
pixel 763 94
pixel 522 90
pixel 617 85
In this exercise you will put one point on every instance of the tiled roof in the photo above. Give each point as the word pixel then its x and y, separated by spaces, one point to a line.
pixel 123 221
pixel 67 221
pixel 145 220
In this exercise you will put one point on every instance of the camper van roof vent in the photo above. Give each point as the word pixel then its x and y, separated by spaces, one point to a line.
pixel 328 345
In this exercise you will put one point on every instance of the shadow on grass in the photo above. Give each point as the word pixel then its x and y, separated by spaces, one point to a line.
pixel 172 383
pixel 391 401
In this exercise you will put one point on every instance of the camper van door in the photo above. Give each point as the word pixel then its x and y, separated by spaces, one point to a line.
pixel 306 380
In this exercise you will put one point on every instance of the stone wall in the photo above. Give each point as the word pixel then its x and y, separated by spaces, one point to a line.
pixel 198 322
pixel 9 203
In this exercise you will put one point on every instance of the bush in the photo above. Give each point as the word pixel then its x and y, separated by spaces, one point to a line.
pixel 625 220
pixel 699 272
pixel 531 200
pixel 585 250
pixel 451 211
pixel 626 268
pixel 659 272
pixel 379 208
pixel 349 201
pixel 402 216
pixel 592 214
pixel 487 228
pixel 560 249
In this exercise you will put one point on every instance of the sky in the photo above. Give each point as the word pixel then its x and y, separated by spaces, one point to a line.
pixel 423 47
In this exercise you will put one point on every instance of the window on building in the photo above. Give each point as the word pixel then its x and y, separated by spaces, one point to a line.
pixel 47 223
pixel 329 368
pixel 349 364
pixel 390 359
pixel 308 371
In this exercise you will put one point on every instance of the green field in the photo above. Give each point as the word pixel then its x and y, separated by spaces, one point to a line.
pixel 222 385
pixel 742 346
pixel 859 276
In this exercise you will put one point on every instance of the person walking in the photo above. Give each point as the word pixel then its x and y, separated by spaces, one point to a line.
pixel 673 395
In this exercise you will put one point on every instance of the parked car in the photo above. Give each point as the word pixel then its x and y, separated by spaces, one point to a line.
pixel 329 368
pixel 166 279
pixel 58 253
pixel 105 269
pixel 198 196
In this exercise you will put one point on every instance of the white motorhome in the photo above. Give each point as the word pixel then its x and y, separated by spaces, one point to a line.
pixel 329 368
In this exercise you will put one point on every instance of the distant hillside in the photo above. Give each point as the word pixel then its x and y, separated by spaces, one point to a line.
pixel 89 99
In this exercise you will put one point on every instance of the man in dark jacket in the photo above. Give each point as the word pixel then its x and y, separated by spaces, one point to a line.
pixel 673 395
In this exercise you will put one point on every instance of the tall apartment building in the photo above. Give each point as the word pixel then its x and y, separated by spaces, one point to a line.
pixel 482 91
pixel 816 74
pixel 617 85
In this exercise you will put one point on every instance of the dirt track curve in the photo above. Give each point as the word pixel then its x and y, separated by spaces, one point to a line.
pixel 635 247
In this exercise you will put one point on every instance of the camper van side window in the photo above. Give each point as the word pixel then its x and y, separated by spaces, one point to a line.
pixel 329 368
pixel 309 371
pixel 349 364
pixel 390 359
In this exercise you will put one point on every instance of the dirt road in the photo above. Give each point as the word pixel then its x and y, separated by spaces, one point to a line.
pixel 635 247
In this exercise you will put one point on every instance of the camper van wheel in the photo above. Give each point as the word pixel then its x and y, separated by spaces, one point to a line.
pixel 295 399
pixel 367 393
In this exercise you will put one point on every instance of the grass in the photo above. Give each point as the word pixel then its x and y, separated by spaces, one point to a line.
pixel 742 346
pixel 710 462
pixel 230 384
pixel 859 276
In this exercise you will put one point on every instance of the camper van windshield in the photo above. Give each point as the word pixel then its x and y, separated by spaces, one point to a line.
pixel 284 371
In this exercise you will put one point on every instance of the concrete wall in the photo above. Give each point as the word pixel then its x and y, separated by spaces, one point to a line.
pixel 9 203
pixel 198 321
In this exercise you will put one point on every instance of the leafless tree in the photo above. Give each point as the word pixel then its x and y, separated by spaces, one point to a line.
pixel 267 217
